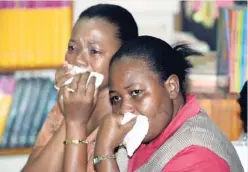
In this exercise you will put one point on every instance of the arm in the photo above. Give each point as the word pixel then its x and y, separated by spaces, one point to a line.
pixel 47 154
pixel 110 135
pixel 78 107
pixel 75 156
pixel 196 159
pixel 109 165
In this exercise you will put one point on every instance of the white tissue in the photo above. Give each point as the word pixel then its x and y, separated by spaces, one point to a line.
pixel 136 135
pixel 76 70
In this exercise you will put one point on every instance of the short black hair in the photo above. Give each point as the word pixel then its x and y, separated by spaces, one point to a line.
pixel 116 15
pixel 243 106
pixel 162 58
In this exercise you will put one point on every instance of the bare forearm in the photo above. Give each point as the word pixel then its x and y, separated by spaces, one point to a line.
pixel 75 155
pixel 50 157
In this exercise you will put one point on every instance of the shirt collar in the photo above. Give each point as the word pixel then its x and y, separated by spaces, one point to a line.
pixel 190 109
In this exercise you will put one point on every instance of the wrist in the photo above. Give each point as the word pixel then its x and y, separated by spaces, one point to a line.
pixel 73 124
pixel 76 131
pixel 102 150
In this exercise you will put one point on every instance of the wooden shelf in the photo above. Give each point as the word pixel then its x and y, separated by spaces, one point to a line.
pixel 17 151
pixel 12 70
pixel 213 93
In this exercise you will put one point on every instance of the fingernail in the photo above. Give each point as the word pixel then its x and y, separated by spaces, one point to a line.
pixel 93 77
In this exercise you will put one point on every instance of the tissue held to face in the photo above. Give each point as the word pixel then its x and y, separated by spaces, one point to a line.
pixel 135 88
pixel 92 45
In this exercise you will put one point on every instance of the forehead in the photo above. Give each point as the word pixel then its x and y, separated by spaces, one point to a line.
pixel 127 71
pixel 95 29
pixel 129 63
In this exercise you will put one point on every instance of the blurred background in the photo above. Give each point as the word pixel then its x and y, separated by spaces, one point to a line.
pixel 33 41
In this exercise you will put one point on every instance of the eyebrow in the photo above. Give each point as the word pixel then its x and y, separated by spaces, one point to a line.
pixel 126 87
pixel 89 42
pixel 130 85
pixel 112 91
pixel 72 40
pixel 93 42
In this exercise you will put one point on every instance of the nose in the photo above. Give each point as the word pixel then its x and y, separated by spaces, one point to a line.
pixel 82 60
pixel 127 106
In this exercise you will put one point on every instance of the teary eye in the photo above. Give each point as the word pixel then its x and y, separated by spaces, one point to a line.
pixel 94 51
pixel 115 99
pixel 136 92
pixel 72 48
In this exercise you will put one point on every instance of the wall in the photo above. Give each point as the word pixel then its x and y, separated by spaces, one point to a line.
pixel 12 163
pixel 154 18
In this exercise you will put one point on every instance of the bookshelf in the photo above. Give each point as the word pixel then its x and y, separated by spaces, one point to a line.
pixel 39 45
pixel 13 70
pixel 224 111
pixel 22 151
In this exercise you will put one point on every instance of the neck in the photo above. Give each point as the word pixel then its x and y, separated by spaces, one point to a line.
pixel 178 104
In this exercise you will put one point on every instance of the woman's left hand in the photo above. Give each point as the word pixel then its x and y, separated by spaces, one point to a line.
pixel 111 133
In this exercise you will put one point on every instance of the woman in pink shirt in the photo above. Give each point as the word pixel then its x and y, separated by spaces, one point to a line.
pixel 148 77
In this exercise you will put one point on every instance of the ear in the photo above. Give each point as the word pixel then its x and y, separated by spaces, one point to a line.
pixel 172 86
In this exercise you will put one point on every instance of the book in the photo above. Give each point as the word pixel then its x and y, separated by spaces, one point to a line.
pixel 17 97
pixel 28 92
pixel 232 46
pixel 33 97
pixel 33 102
pixel 37 117
pixel 7 87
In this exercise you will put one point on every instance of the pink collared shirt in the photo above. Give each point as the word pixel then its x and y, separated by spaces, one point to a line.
pixel 191 159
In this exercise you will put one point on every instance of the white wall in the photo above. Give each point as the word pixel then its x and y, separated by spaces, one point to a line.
pixel 12 163
pixel 242 150
pixel 154 17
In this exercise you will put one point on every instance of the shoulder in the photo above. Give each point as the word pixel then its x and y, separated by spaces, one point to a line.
pixel 196 159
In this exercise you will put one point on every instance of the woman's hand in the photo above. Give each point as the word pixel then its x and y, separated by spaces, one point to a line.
pixel 111 133
pixel 79 104
pixel 61 76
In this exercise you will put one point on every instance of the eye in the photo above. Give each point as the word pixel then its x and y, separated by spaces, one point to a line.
pixel 136 92
pixel 115 99
pixel 72 48
pixel 94 51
